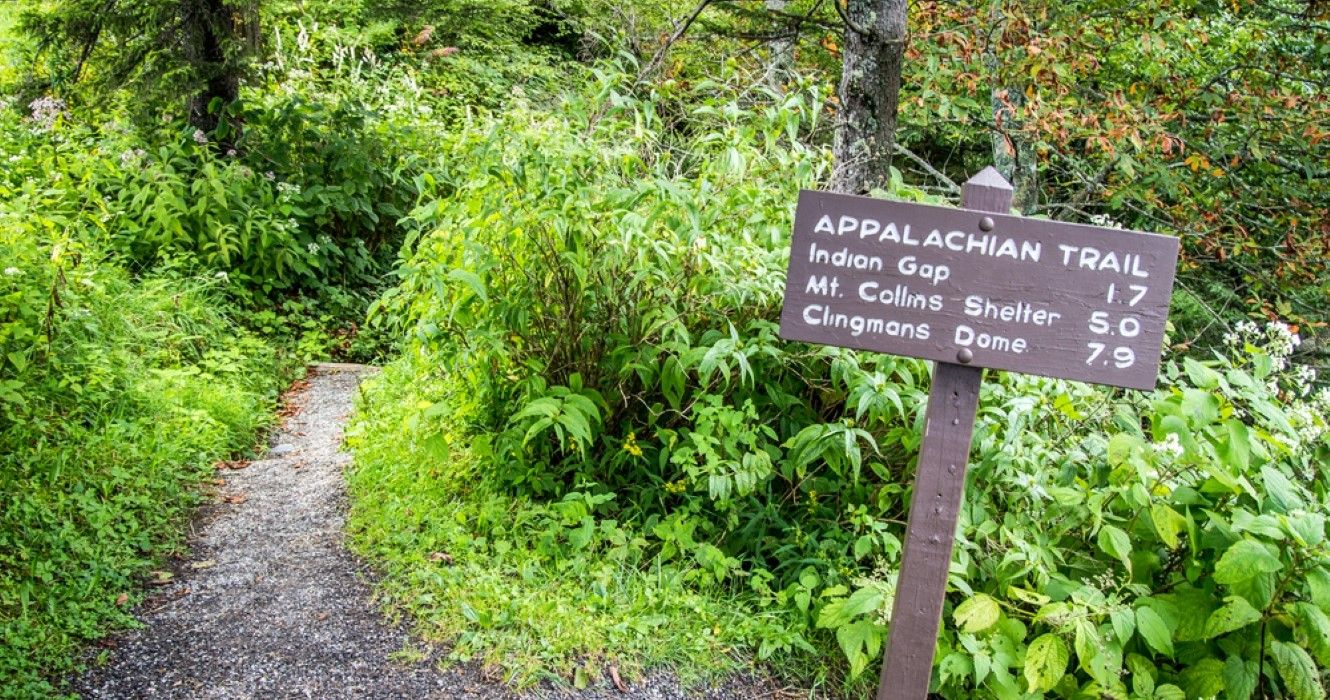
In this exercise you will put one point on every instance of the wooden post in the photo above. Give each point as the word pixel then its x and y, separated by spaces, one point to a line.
pixel 939 483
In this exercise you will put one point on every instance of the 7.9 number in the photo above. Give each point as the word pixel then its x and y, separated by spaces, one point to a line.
pixel 1123 357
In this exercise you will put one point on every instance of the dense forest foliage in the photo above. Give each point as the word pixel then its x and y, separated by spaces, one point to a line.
pixel 563 227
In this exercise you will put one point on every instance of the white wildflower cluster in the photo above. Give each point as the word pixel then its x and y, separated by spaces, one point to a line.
pixel 287 189
pixel 1277 340
pixel 1309 421
pixel 46 110
pixel 1311 418
pixel 223 276
pixel 269 175
pixel 12 272
pixel 200 138
pixel 1303 377
pixel 1104 220
pixel 132 157
pixel 1170 446
pixel 313 248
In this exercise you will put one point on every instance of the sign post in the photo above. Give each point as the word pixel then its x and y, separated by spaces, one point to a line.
pixel 969 288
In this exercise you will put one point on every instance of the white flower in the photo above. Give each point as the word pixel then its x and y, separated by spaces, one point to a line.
pixel 45 110
pixel 312 248
pixel 12 272
pixel 1170 445
pixel 222 276
pixel 270 175
pixel 199 137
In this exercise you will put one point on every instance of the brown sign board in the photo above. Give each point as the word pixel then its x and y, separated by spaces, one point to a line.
pixel 984 289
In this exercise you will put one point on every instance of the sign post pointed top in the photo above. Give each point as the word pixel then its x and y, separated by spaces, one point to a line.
pixel 987 191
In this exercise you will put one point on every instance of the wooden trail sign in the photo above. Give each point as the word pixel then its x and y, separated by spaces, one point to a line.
pixel 969 288
pixel 989 290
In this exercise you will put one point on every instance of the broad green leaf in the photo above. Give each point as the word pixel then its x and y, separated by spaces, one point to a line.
pixel 1189 609
pixel 1297 670
pixel 1239 678
pixel 1168 691
pixel 1142 675
pixel 1200 375
pixel 1124 623
pixel 1259 590
pixel 1115 543
pixel 1315 627
pixel 1154 630
pixel 1280 490
pixel 1168 523
pixel 1203 678
pixel 1244 560
pixel 1086 643
pixel 1318 585
pixel 1308 528
pixel 1236 446
pixel 977 613
pixel 470 279
pixel 1046 662
pixel 838 613
pixel 1236 613
pixel 1120 447
pixel 861 642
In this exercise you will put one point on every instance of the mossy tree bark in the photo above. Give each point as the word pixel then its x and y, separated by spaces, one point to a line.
pixel 870 84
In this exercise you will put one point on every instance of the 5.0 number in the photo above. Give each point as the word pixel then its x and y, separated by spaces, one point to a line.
pixel 1128 327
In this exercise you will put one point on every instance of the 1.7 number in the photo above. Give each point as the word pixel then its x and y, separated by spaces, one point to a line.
pixel 1138 289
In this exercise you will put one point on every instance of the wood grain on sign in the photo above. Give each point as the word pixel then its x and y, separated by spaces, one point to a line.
pixel 985 289
pixel 939 484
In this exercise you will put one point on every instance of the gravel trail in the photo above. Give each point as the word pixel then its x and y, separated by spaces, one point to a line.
pixel 273 606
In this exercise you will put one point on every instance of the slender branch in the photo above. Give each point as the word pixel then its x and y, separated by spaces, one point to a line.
pixel 845 17
pixel 679 31
pixel 948 182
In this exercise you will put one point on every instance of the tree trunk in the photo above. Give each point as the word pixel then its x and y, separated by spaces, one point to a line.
pixel 781 59
pixel 1013 154
pixel 869 94
pixel 209 26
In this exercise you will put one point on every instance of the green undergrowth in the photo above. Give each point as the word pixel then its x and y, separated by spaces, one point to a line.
pixel 596 450
pixel 116 397
pixel 524 586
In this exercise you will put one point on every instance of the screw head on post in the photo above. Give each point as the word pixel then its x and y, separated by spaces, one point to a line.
pixel 964 356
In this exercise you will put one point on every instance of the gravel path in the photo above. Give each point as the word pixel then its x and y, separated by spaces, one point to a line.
pixel 273 606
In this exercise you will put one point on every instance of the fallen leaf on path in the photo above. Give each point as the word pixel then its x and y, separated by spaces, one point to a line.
pixel 121 599
pixel 234 464
pixel 161 578
pixel 218 482
pixel 235 498
pixel 323 616
pixel 205 564
pixel 618 682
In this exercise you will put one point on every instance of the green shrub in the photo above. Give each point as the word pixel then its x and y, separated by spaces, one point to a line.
pixel 116 396
pixel 591 304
